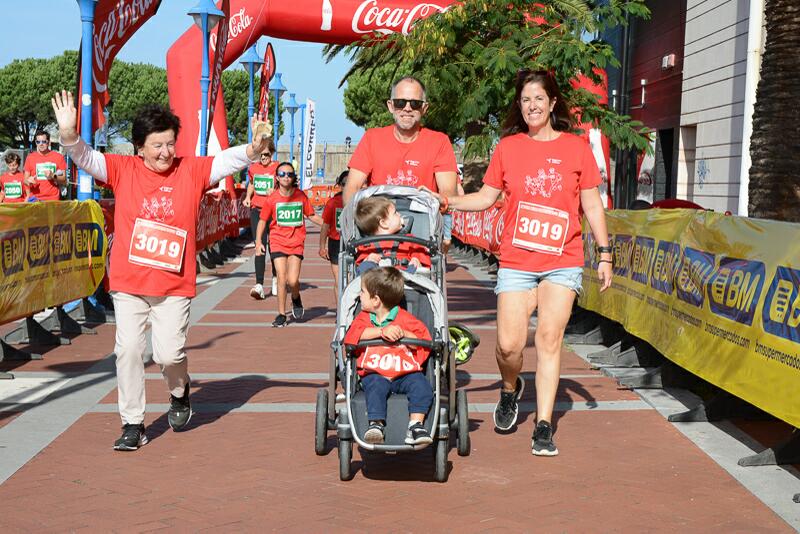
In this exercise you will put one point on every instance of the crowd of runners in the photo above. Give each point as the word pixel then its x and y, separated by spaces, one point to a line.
pixel 547 176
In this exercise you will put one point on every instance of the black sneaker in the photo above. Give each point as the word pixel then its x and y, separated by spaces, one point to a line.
pixel 280 321
pixel 375 433
pixel 180 410
pixel 417 435
pixel 506 411
pixel 542 441
pixel 132 438
pixel 297 308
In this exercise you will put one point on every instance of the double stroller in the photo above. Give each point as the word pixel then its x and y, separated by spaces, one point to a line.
pixel 341 406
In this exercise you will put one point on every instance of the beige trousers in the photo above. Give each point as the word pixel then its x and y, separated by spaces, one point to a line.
pixel 169 319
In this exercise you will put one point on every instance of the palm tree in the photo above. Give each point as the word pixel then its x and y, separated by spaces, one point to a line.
pixel 774 189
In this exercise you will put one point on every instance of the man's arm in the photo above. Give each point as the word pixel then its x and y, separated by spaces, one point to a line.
pixel 355 181
pixel 447 182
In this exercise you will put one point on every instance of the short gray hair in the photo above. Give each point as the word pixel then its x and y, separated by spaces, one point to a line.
pixel 409 79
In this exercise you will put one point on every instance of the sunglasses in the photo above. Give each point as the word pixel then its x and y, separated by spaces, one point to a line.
pixel 400 103
pixel 41 142
pixel 290 174
pixel 265 155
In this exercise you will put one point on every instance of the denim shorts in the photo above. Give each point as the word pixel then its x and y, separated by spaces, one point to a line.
pixel 516 280
pixel 447 227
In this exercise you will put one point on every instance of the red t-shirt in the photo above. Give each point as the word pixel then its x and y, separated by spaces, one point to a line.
pixel 35 163
pixel 13 186
pixel 389 360
pixel 405 251
pixel 287 228
pixel 155 225
pixel 388 161
pixel 263 179
pixel 542 181
pixel 331 214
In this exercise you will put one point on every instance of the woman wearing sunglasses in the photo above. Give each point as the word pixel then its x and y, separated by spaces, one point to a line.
pixel 262 183
pixel 286 210
pixel 549 177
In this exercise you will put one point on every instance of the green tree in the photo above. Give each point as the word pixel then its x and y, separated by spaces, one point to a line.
pixel 26 87
pixel 131 86
pixel 469 57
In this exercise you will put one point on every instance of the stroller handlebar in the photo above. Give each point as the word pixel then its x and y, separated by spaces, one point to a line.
pixel 424 343
pixel 430 244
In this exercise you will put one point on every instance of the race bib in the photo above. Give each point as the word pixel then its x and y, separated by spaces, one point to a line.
pixel 289 213
pixel 263 184
pixel 338 219
pixel 389 361
pixel 12 190
pixel 157 245
pixel 41 167
pixel 540 228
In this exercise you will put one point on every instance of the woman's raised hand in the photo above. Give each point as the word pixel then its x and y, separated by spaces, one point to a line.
pixel 66 116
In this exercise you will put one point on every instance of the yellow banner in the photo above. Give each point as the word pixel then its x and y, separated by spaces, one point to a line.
pixel 50 253
pixel 718 295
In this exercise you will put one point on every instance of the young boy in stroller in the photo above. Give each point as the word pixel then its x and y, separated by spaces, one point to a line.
pixel 391 367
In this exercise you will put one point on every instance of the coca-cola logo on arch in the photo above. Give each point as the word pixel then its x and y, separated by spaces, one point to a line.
pixel 370 17
pixel 238 22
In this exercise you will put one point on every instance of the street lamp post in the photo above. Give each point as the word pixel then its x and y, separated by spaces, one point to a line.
pixel 276 86
pixel 250 61
pixel 302 154
pixel 206 16
pixel 87 7
pixel 291 107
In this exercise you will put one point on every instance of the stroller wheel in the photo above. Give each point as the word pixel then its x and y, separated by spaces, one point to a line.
pixel 440 467
pixel 462 408
pixel 321 423
pixel 345 454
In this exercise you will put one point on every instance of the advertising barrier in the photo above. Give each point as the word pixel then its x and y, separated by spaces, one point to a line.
pixel 50 253
pixel 718 295
pixel 481 229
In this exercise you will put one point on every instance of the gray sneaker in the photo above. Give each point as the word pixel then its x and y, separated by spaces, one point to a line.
pixel 542 443
pixel 506 410
pixel 132 438
pixel 180 410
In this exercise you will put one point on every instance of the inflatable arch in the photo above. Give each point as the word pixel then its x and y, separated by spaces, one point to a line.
pixel 321 21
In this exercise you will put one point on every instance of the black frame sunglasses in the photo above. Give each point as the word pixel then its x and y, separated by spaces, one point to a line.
pixel 400 103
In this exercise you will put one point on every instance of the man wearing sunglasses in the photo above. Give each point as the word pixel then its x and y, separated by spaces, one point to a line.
pixel 404 153
pixel 45 169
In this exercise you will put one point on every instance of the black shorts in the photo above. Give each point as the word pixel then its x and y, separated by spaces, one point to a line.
pixel 277 254
pixel 333 250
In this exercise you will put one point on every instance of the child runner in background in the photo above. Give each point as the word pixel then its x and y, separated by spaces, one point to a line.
pixel 329 235
pixel 12 183
pixel 390 368
pixel 286 210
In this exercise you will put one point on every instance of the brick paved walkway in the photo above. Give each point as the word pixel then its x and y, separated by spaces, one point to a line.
pixel 247 462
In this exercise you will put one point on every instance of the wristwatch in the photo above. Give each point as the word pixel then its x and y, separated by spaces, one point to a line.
pixel 606 250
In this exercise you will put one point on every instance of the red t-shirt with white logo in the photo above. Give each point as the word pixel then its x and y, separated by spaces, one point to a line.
pixel 542 182
pixel 155 225
pixel 263 179
pixel 13 186
pixel 389 360
pixel 35 164
pixel 387 161
pixel 287 227
pixel 331 215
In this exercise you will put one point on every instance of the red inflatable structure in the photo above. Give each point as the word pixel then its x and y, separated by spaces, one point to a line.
pixel 321 21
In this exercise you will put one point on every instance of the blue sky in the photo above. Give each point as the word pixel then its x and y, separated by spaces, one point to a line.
pixel 45 28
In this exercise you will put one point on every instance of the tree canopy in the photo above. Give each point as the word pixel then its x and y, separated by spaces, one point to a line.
pixel 469 57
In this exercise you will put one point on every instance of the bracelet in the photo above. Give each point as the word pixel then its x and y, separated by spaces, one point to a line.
pixel 605 261
pixel 607 249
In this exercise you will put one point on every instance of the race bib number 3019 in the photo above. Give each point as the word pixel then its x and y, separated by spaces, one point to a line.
pixel 540 228
pixel 158 245
pixel 289 213
pixel 263 183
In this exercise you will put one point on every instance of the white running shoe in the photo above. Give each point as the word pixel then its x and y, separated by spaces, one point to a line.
pixel 274 286
pixel 258 292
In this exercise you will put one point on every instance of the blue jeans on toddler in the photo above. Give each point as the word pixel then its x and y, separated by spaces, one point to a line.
pixel 378 388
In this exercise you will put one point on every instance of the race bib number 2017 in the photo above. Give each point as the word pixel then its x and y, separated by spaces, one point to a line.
pixel 540 228
pixel 158 245
pixel 289 213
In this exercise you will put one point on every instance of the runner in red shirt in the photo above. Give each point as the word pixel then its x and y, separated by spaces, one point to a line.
pixel 12 183
pixel 286 210
pixel 404 153
pixel 153 262
pixel 45 170
pixel 549 177
pixel 329 234
pixel 261 184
